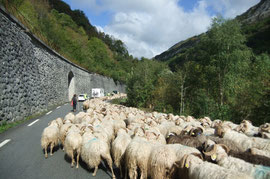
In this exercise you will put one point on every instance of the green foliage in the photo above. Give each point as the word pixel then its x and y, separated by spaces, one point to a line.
pixel 71 34
pixel 142 82
pixel 220 77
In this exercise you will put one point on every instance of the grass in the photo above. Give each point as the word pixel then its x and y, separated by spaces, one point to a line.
pixel 120 101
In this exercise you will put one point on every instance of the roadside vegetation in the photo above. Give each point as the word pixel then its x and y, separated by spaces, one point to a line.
pixel 70 33
pixel 221 78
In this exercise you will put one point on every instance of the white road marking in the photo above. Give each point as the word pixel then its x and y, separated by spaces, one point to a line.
pixel 58 107
pixel 33 122
pixel 4 142
pixel 66 104
pixel 49 112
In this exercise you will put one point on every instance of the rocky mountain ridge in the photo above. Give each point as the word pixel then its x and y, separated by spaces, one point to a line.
pixel 256 13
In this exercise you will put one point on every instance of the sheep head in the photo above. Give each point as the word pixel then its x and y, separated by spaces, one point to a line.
pixel 195 132
pixel 220 131
pixel 265 128
pixel 216 151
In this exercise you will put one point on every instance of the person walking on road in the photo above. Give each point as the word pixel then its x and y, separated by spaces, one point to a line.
pixel 74 102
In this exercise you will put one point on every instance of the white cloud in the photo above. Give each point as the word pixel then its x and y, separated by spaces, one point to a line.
pixel 231 8
pixel 149 27
pixel 99 28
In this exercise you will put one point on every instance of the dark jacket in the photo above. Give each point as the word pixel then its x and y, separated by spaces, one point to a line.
pixel 74 99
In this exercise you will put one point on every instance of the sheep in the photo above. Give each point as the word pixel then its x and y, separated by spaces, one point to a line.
pixel 50 137
pixel 205 122
pixel 117 124
pixel 181 150
pixel 218 153
pixel 93 150
pixel 63 132
pixel 59 122
pixel 73 144
pixel 79 117
pixel 265 128
pixel 164 127
pixel 86 105
pixel 160 163
pixel 193 167
pixel 256 151
pixel 69 117
pixel 105 132
pixel 119 146
pixel 187 140
pixel 264 131
pixel 136 156
pixel 247 128
pixel 242 140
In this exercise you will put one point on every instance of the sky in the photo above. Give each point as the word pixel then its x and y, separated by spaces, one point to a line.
pixel 150 27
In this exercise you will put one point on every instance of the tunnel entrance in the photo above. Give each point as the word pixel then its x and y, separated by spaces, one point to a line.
pixel 71 85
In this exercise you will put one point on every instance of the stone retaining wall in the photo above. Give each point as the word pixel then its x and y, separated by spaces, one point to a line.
pixel 34 78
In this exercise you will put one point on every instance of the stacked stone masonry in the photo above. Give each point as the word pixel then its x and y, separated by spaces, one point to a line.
pixel 33 77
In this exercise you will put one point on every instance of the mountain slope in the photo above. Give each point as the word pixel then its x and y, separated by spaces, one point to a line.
pixel 255 25
pixel 71 34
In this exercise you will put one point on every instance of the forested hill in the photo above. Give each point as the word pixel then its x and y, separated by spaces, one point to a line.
pixel 255 26
pixel 223 73
pixel 70 33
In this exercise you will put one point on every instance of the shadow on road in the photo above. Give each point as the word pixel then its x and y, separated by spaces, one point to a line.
pixel 103 167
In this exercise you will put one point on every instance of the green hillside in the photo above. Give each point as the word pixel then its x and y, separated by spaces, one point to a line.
pixel 70 33
pixel 215 74
pixel 255 26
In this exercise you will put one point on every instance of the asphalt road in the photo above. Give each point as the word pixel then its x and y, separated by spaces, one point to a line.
pixel 21 155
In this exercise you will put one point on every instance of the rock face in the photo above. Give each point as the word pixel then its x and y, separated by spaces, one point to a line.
pixel 257 12
pixel 34 78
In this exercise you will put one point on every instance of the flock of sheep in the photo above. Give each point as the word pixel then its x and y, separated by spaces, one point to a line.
pixel 159 146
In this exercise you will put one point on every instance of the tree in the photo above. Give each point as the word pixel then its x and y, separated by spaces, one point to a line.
pixel 225 59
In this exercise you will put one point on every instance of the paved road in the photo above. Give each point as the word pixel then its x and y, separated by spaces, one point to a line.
pixel 22 156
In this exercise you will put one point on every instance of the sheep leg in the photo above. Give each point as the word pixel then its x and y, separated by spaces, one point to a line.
pixel 78 155
pixel 143 174
pixel 72 159
pixel 132 173
pixel 109 161
pixel 46 153
pixel 126 170
pixel 62 141
pixel 142 168
pixel 52 145
pixel 95 171
pixel 120 167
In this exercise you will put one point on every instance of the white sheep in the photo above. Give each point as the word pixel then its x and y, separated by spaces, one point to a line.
pixel 50 137
pixel 119 146
pixel 73 144
pixel 247 128
pixel 93 150
pixel 242 140
pixel 194 168
pixel 70 117
pixel 63 133
pixel 136 156
pixel 218 153
pixel 161 161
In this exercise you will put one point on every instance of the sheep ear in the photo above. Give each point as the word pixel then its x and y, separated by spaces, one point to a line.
pixel 183 162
